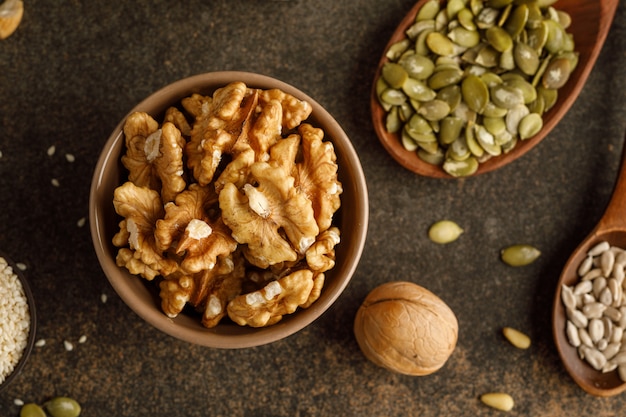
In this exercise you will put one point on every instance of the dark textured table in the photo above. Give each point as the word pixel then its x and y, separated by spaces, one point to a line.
pixel 73 69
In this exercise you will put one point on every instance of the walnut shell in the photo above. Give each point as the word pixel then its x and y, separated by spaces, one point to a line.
pixel 405 328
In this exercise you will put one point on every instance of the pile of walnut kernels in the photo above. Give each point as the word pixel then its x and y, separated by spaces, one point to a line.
pixel 229 204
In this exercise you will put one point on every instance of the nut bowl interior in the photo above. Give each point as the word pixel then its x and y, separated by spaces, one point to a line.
pixel 32 328
pixel 142 296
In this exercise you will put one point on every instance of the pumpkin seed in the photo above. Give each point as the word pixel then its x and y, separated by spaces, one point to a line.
pixel 530 125
pixel 519 255
pixel 393 97
pixel 417 66
pixel 499 38
pixel 506 96
pixel 396 50
pixel 444 231
pixel 557 73
pixel 516 22
pixel 32 410
pixel 460 168
pixel 445 78
pixel 475 93
pixel 429 10
pixel 62 407
pixel 434 109
pixel 440 44
pixel 394 74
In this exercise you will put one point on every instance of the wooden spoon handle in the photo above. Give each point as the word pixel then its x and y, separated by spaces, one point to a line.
pixel 615 214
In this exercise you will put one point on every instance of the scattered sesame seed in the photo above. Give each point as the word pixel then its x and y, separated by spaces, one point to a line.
pixel 81 222
pixel 68 345
pixel 69 157
pixel 82 339
pixel 40 343
pixel 18 402
pixel 103 298
pixel 51 150
pixel 55 182
pixel 21 266
pixel 0 154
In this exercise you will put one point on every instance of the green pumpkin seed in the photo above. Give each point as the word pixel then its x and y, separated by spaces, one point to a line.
pixel 393 97
pixel 538 106
pixel 519 255
pixel 528 91
pixel 419 27
pixel 421 46
pixel 451 95
pixel 498 4
pixel 535 17
pixel 475 93
pixel 453 7
pixel 466 19
pixel 444 231
pixel 434 109
pixel 557 73
pixel 491 110
pixel 472 144
pixel 508 146
pixel 405 111
pixel 393 124
pixel 460 168
pixel 444 78
pixel 394 74
pixel 458 150
pixel 440 44
pixel 526 58
pixel 537 37
pixel 505 96
pixel 556 40
pixel 417 66
pixel 499 38
pixel 530 125
pixel 564 19
pixel 429 10
pixel 430 147
pixel 396 50
pixel 418 124
pixel 490 79
pixel 487 57
pixel 494 125
pixel 32 410
pixel 417 90
pixel 476 6
pixel 514 117
pixel 450 129
pixel 408 142
pixel 62 407
pixel 464 37
pixel 549 97
pixel 507 62
pixel 487 141
pixel 516 22
pixel 486 18
pixel 435 158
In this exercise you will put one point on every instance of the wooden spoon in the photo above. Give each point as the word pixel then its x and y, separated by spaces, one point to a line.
pixel 611 228
pixel 591 20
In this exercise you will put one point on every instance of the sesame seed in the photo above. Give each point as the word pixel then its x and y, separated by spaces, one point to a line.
pixel 21 266
pixel 40 343
pixel 103 298
pixel 82 339
pixel 68 345
pixel 81 222
pixel 18 402
pixel 51 150
pixel 55 182
pixel 69 157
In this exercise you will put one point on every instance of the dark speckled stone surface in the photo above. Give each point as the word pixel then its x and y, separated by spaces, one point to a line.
pixel 74 68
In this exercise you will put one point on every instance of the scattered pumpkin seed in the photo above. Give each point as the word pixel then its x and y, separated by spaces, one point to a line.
pixel 519 255
pixel 444 231
pixel 62 407
pixel 32 410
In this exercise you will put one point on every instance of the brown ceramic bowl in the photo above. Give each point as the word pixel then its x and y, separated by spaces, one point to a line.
pixel 32 329
pixel 142 296
pixel 591 20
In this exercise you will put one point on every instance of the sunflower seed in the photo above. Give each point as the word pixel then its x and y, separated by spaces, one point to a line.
pixel 572 334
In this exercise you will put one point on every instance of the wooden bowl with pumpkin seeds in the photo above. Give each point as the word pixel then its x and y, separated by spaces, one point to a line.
pixel 465 87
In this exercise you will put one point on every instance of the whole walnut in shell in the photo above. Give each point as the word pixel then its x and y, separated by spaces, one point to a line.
pixel 405 328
